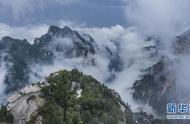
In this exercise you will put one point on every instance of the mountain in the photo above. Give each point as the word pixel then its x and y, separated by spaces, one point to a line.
pixel 66 97
pixel 19 55
pixel 156 86
pixel 58 45
pixel 182 43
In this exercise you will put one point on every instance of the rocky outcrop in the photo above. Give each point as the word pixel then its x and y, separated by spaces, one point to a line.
pixel 24 104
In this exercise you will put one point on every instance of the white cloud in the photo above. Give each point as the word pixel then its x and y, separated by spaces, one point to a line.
pixel 27 32
pixel 181 71
pixel 158 17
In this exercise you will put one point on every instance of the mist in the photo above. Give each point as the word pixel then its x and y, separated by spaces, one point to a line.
pixel 29 32
pixel 3 73
pixel 164 18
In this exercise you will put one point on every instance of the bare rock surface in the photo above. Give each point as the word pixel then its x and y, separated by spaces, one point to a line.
pixel 25 103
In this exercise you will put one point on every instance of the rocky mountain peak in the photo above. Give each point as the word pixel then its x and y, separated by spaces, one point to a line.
pixel 54 29
pixel 182 43
pixel 67 29
pixel 57 31
pixel 7 38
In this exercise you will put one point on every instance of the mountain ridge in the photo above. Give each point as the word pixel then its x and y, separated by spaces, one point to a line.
pixel 21 53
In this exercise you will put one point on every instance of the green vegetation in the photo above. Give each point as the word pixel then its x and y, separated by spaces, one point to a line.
pixel 96 104
pixel 5 116
pixel 33 119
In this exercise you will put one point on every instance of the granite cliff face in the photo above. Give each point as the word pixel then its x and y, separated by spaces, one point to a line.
pixel 24 103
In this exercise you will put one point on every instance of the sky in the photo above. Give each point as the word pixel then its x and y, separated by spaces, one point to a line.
pixel 97 13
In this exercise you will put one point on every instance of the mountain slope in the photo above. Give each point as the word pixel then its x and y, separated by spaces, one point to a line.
pixel 157 86
pixel 68 97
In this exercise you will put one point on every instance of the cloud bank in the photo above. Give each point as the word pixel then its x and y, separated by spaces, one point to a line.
pixel 29 32
pixel 159 17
